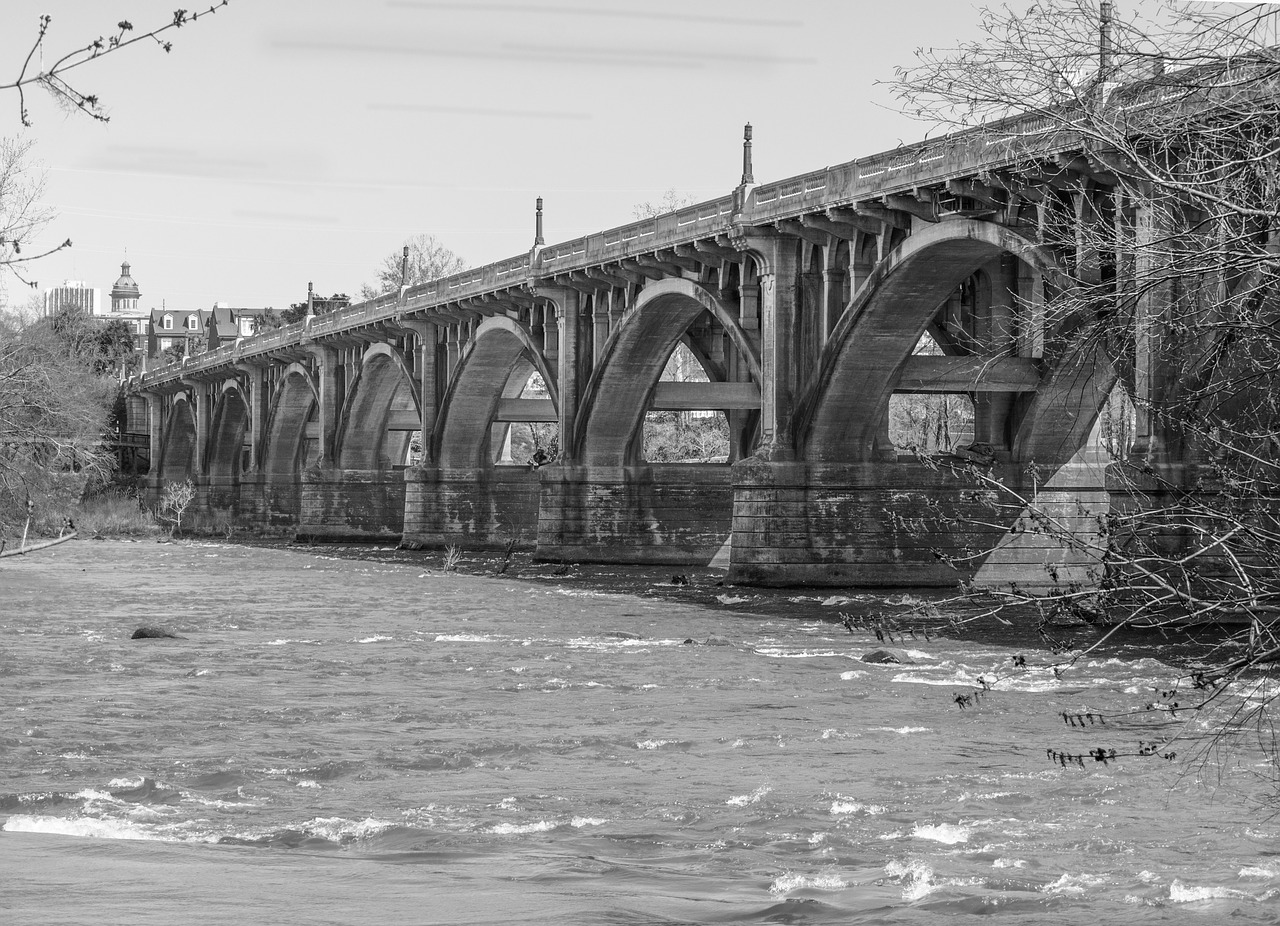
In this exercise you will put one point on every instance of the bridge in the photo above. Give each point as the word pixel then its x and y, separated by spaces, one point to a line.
pixel 805 303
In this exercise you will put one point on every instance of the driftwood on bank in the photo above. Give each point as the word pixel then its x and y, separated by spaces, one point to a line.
pixel 38 545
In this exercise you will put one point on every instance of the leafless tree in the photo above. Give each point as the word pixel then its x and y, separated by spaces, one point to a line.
pixel 670 201
pixel 22 215
pixel 429 260
pixel 53 410
pixel 56 78
pixel 1166 218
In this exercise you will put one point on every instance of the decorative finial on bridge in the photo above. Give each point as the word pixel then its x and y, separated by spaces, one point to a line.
pixel 1104 40
pixel 746 155
pixel 537 227
pixel 311 300
pixel 404 268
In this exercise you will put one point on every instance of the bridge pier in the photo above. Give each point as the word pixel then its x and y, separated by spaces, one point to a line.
pixel 351 504
pixel 672 513
pixel 905 524
pixel 479 508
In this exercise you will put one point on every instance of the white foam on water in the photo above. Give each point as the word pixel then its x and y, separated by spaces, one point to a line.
pixel 307 783
pixel 466 638
pixel 1072 885
pixel 127 782
pixel 88 794
pixel 904 731
pixel 842 806
pixel 213 802
pixel 1009 863
pixel 742 800
pixel 655 744
pixel 852 674
pixel 85 827
pixel 1191 893
pixel 579 822
pixel 520 829
pixel 789 882
pixel 1259 871
pixel 947 833
pixel 340 829
pixel 916 878
pixel 731 599
pixel 376 638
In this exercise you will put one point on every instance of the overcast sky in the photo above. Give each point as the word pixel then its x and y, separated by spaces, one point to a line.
pixel 287 141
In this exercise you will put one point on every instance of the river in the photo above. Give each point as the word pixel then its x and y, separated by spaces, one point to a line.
pixel 360 741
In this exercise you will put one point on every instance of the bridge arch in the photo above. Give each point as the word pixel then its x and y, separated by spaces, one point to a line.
pixel 842 412
pixel 382 393
pixel 293 404
pixel 618 393
pixel 226 437
pixel 177 461
pixel 496 364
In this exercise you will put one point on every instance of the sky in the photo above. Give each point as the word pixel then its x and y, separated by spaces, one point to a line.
pixel 283 142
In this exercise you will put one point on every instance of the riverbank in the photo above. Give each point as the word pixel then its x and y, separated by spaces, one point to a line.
pixel 902 615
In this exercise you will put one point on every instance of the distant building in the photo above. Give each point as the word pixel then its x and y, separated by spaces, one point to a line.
pixel 124 307
pixel 225 324
pixel 184 328
pixel 125 294
pixel 73 294
pixel 157 330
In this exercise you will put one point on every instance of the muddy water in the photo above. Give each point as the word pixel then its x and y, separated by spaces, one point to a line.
pixel 335 740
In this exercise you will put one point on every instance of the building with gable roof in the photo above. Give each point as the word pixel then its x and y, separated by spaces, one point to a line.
pixel 225 324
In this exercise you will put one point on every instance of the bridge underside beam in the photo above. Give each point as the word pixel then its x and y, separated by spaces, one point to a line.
pixel 688 397
pixel 969 374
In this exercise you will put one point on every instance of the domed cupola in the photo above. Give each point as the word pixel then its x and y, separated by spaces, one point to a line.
pixel 125 295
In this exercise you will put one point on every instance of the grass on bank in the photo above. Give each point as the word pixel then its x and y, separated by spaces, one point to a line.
pixel 113 513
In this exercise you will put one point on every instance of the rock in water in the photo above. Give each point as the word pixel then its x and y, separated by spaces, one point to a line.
pixel 152 633
pixel 883 657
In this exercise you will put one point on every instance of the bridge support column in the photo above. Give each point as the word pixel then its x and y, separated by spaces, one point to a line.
pixel 671 513
pixel 484 508
pixel 778 380
pixel 202 402
pixel 905 524
pixel 155 429
pixel 351 505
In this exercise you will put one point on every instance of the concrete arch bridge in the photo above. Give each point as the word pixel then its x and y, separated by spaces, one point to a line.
pixel 806 304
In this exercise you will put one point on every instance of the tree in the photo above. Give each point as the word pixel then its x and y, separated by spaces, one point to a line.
pixel 104 346
pixel 22 214
pixel 53 411
pixel 177 498
pixel 1171 241
pixel 428 260
pixel 54 79
pixel 267 321
pixel 671 201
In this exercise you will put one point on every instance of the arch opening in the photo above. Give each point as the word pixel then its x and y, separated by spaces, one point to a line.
pixel 229 449
pixel 500 407
pixel 622 391
pixel 177 462
pixel 693 436
pixel 961 288
pixel 381 415
pixel 291 438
